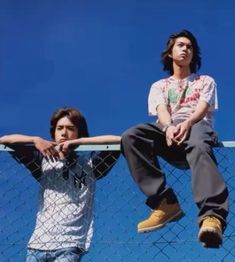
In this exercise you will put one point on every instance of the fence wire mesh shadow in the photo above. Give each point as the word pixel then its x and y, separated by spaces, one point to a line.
pixel 119 206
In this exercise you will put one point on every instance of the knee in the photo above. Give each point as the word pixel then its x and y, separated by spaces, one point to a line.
pixel 133 137
pixel 128 133
pixel 128 137
pixel 136 137
pixel 126 140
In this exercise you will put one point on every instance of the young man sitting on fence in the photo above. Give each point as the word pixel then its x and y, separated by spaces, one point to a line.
pixel 183 134
pixel 64 224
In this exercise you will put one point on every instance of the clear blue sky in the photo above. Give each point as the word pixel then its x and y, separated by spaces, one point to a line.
pixel 102 56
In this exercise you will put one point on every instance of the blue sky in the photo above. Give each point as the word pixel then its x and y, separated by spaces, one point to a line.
pixel 102 56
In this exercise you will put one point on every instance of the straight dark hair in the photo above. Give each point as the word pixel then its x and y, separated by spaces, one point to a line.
pixel 168 62
pixel 74 115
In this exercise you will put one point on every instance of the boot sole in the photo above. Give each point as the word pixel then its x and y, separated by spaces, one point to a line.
pixel 210 238
pixel 174 218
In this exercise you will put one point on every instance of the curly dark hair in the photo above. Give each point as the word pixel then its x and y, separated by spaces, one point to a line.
pixel 167 61
pixel 74 115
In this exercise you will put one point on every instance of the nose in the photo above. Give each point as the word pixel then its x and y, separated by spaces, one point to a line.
pixel 64 132
pixel 184 48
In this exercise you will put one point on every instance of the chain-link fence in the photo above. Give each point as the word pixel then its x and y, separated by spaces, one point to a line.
pixel 119 206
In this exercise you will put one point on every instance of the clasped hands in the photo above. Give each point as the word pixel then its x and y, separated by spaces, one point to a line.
pixel 175 135
pixel 53 151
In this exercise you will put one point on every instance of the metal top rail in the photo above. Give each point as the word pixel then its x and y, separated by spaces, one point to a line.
pixel 88 147
pixel 227 144
pixel 116 147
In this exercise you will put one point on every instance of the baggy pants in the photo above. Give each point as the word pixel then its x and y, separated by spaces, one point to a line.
pixel 141 145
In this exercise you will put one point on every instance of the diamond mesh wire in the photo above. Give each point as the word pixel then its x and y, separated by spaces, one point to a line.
pixel 119 206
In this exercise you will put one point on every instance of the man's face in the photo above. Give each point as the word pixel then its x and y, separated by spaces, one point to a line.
pixel 65 130
pixel 182 51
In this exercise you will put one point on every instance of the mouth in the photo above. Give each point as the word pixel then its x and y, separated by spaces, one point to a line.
pixel 183 55
pixel 62 140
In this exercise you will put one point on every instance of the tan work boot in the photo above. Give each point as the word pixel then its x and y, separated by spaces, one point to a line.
pixel 164 214
pixel 210 233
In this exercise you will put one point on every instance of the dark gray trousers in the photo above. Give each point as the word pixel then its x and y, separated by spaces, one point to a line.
pixel 141 145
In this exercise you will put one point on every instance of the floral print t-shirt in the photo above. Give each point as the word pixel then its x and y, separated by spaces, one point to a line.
pixel 182 96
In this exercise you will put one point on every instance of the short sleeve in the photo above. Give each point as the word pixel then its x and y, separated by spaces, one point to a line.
pixel 156 97
pixel 29 157
pixel 209 93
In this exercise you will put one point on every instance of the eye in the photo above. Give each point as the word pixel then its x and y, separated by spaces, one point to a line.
pixel 190 47
pixel 71 128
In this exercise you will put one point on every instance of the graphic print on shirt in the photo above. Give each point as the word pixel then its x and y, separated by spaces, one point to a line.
pixel 182 94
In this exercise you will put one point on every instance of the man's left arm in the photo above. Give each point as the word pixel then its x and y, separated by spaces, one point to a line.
pixel 208 102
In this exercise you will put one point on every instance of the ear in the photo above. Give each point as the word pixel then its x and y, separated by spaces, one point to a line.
pixel 170 55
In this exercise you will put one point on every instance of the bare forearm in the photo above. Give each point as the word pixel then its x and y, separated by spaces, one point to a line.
pixel 17 138
pixel 163 114
pixel 184 127
pixel 199 113
pixel 97 140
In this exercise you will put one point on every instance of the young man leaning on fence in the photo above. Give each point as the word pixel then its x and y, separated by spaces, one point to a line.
pixel 64 224
pixel 183 135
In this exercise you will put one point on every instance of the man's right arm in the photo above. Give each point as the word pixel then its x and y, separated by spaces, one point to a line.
pixel 17 138
pixel 28 150
pixel 163 115
pixel 157 106
pixel 23 153
pixel 47 148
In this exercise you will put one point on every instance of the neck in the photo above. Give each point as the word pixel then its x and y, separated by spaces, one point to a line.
pixel 181 72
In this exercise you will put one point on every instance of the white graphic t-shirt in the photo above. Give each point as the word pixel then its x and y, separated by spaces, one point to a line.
pixel 66 199
pixel 65 214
